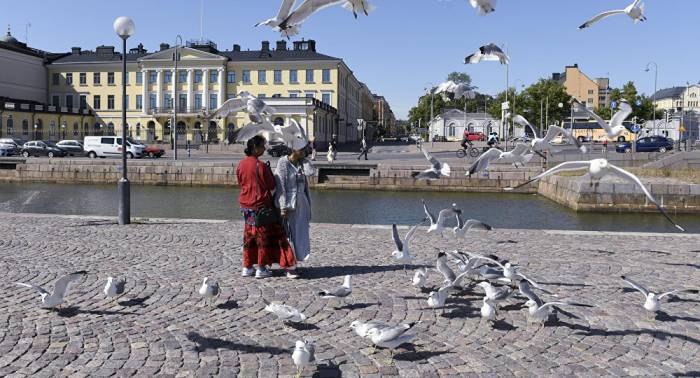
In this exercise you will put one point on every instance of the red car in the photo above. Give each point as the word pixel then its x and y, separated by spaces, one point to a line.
pixel 475 136
pixel 153 151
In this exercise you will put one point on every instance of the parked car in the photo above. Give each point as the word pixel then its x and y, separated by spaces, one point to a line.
pixel 647 144
pixel 278 149
pixel 153 151
pixel 41 148
pixel 15 143
pixel 7 150
pixel 414 138
pixel 473 136
pixel 404 139
pixel 71 147
pixel 104 146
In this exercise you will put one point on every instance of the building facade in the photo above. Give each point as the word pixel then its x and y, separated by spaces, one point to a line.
pixel 319 91
pixel 676 99
pixel 384 115
pixel 592 93
pixel 451 123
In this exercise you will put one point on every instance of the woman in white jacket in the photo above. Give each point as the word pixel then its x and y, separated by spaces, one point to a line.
pixel 293 199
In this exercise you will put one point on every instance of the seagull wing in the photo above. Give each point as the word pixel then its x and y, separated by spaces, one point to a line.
pixel 636 286
pixel 520 120
pixel 285 9
pixel 566 166
pixel 552 133
pixel 443 215
pixel 428 214
pixel 493 52
pixel 621 115
pixel 305 10
pixel 250 130
pixel 435 163
pixel 61 285
pixel 692 291
pixel 411 232
pixel 39 289
pixel 581 108
pixel 311 350
pixel 599 17
pixel 526 290
pixel 391 333
pixel 520 149
pixel 231 106
pixel 472 224
pixel 534 284
pixel 631 177
pixel 475 255
pixel 447 86
pixel 483 161
pixel 397 239
pixel 474 58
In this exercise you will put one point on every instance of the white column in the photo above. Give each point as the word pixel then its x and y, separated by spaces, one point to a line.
pixel 222 86
pixel 159 89
pixel 190 88
pixel 144 91
pixel 205 90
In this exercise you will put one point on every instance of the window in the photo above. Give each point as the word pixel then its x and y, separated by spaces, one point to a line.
pixel 96 102
pixel 69 101
pixel 69 78
pixel 139 102
pixel 293 95
pixel 590 91
pixel 213 76
pixel 168 101
pixel 198 101
pixel 213 101
pixel 152 101
pixel 262 95
pixel 152 77
pixel 110 78
pixel 10 125
pixel 246 76
pixel 183 76
pixel 56 79
pixel 168 77
pixel 139 78
pixel 55 101
pixel 293 77
pixel 110 102
pixel 96 78
pixel 83 101
pixel 309 95
pixel 262 77
pixel 197 76
pixel 107 141
pixel 590 101
pixel 278 76
pixel 310 76
pixel 276 95
pixel 126 102
pixel 326 97
pixel 83 78
pixel 230 96
pixel 182 103
pixel 326 76
pixel 231 77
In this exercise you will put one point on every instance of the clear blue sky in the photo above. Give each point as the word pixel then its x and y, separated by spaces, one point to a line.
pixel 404 44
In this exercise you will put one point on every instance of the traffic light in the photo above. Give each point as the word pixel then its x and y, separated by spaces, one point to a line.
pixel 668 117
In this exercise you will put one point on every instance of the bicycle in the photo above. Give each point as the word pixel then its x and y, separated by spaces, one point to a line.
pixel 472 151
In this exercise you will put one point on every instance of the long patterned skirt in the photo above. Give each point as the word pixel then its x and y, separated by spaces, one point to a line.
pixel 265 245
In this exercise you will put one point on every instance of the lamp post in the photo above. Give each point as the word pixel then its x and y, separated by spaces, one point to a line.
pixel 125 28
pixel 35 132
pixel 432 101
pixel 656 76
pixel 176 57
pixel 63 127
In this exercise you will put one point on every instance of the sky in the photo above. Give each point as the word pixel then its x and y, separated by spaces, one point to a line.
pixel 404 45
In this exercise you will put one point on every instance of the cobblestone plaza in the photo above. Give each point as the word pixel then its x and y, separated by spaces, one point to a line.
pixel 161 327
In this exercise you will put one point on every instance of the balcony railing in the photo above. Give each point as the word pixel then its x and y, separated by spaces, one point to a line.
pixel 169 110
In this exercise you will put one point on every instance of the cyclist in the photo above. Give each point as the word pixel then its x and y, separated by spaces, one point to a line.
pixel 493 139
pixel 466 143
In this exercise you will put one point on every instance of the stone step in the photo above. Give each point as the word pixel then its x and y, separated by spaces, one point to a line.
pixel 340 179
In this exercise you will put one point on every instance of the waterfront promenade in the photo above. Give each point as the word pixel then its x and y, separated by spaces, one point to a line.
pixel 160 326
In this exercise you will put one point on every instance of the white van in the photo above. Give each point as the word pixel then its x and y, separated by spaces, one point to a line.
pixel 104 146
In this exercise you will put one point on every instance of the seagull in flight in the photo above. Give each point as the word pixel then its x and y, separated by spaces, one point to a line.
pixel 292 135
pixel 402 252
pixel 483 6
pixel 597 169
pixel 420 276
pixel 652 300
pixel 437 168
pixel 489 52
pixel 545 143
pixel 258 111
pixel 463 227
pixel 510 271
pixel 517 156
pixel 357 6
pixel 60 287
pixel 291 24
pixel 635 11
pixel 437 224
pixel 451 90
pixel 282 14
pixel 615 127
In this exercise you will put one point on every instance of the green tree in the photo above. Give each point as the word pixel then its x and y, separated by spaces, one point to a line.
pixel 460 78
pixel 422 110
pixel 629 92
pixel 540 103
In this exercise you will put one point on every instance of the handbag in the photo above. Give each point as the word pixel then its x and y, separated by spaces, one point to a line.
pixel 266 215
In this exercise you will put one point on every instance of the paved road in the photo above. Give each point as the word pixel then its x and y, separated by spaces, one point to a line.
pixel 160 327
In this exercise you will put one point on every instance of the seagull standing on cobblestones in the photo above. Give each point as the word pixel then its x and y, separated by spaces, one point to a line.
pixel 209 290
pixel 652 301
pixel 597 169
pixel 362 329
pixel 114 287
pixel 495 293
pixel 303 355
pixel 287 314
pixel 339 292
pixel 391 337
pixel 60 287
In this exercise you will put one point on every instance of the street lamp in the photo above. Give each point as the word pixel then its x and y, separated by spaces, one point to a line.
pixel 35 132
pixel 176 57
pixel 63 127
pixel 125 28
pixel 432 101
pixel 656 76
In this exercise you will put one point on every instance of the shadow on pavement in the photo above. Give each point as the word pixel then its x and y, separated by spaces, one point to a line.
pixel 228 305
pixel 315 272
pixel 205 343
pixel 135 302
pixel 71 311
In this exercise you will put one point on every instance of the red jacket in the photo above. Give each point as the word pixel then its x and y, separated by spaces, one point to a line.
pixel 253 196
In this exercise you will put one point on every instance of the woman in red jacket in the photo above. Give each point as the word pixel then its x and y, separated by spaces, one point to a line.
pixel 264 243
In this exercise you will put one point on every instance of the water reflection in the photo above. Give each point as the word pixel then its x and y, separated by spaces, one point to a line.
pixel 501 210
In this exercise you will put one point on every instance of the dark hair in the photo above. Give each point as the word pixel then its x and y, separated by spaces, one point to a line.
pixel 253 143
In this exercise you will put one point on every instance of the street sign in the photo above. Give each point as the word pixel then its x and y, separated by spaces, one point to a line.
pixel 682 129
pixel 635 128
pixel 613 105
pixel 639 102
pixel 422 130
pixel 505 106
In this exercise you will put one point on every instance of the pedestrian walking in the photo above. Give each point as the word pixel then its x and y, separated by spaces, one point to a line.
pixel 294 200
pixel 264 240
pixel 313 149
pixel 363 150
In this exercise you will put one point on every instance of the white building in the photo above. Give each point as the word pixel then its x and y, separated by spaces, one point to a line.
pixel 22 71
pixel 451 124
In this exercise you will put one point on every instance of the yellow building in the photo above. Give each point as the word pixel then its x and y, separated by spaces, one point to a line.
pixel 592 93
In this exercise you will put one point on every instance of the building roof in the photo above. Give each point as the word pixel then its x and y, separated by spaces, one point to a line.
pixel 673 92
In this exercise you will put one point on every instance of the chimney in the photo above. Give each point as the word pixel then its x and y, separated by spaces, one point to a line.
pixel 265 46
pixel 236 47
pixel 164 46
pixel 104 50
pixel 75 50
pixel 281 45
pixel 312 45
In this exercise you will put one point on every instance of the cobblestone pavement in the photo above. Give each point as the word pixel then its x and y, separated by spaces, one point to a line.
pixel 160 326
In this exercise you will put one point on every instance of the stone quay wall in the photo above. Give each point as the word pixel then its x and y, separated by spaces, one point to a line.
pixel 616 195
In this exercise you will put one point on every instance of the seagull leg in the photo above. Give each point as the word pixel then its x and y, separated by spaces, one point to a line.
pixel 299 370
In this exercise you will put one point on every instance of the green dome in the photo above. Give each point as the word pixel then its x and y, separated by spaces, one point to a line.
pixel 9 38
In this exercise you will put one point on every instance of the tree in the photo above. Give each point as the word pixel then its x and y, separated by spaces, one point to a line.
pixel 460 78
pixel 629 92
pixel 540 103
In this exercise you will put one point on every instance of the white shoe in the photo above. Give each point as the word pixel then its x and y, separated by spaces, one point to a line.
pixel 263 273
pixel 248 272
